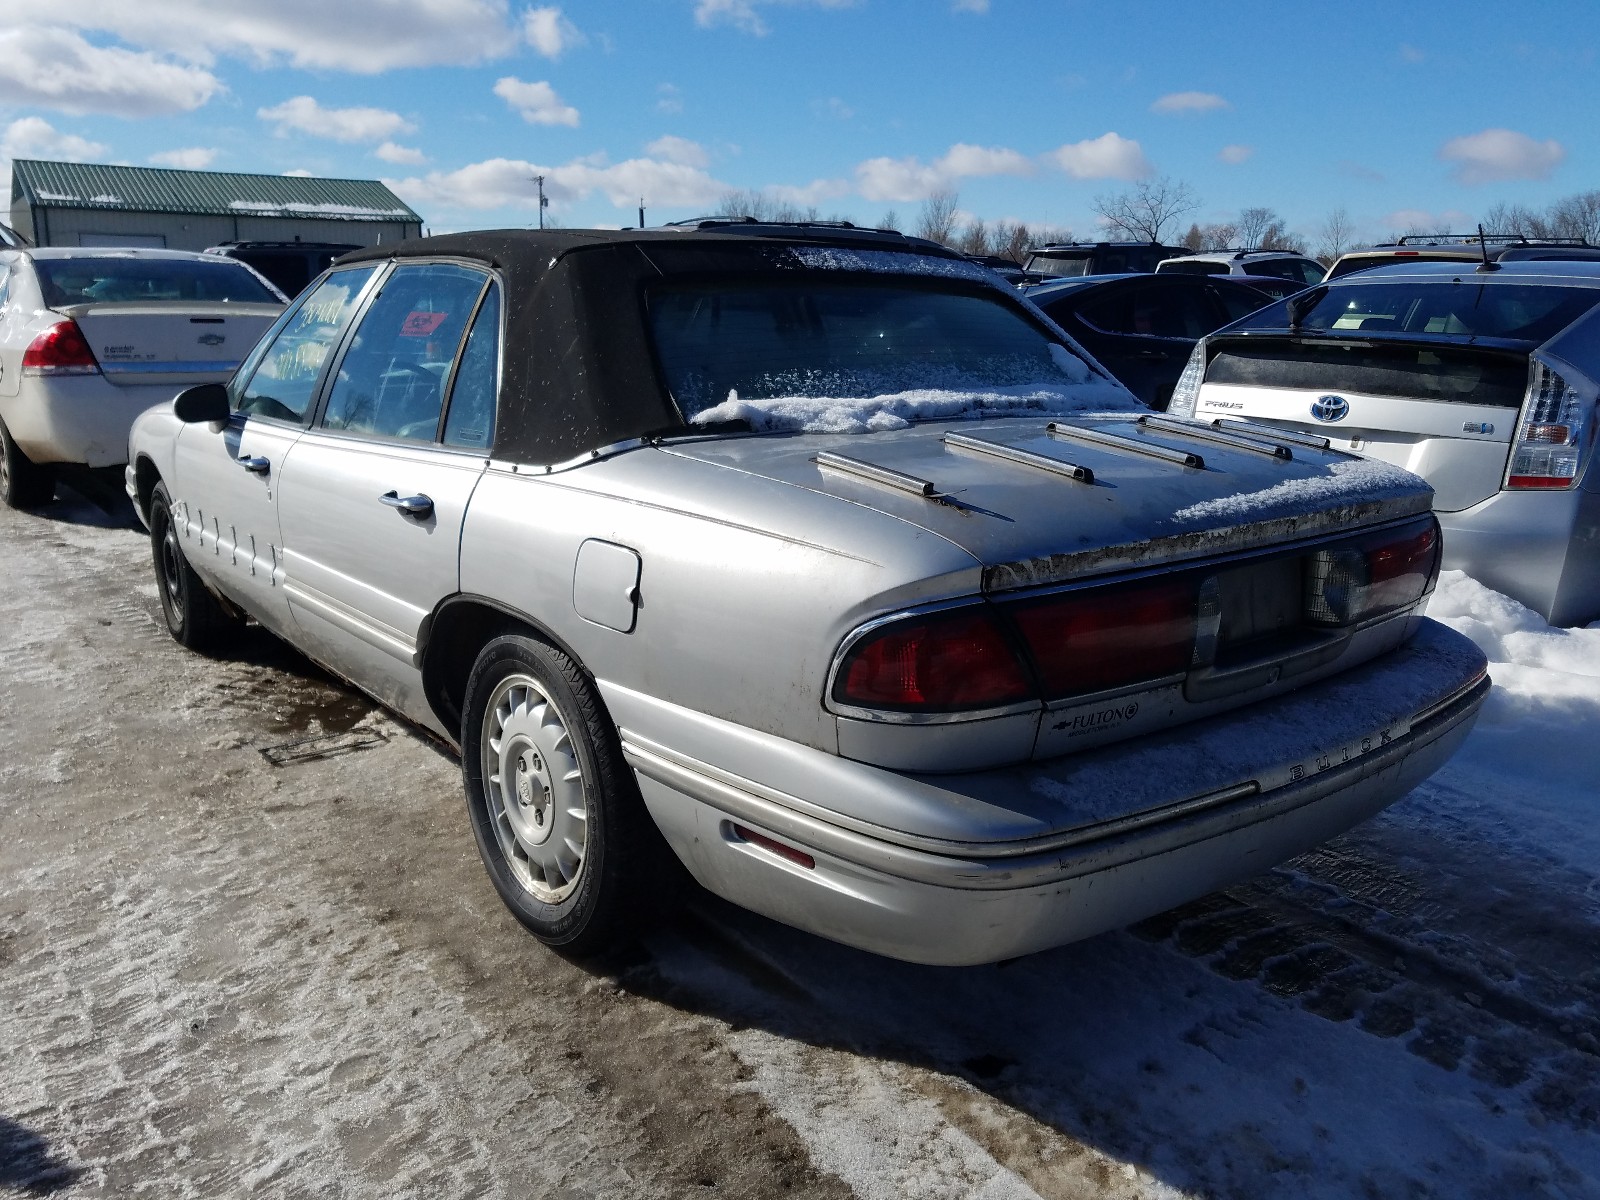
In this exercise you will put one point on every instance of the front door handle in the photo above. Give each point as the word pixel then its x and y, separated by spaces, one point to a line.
pixel 413 506
pixel 255 464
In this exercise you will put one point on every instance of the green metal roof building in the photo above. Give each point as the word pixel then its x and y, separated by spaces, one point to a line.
pixel 90 204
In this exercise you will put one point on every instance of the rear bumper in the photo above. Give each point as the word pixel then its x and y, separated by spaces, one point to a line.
pixel 1325 759
pixel 1540 548
pixel 82 419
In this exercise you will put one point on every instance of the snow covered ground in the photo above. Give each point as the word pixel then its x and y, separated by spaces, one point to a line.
pixel 224 972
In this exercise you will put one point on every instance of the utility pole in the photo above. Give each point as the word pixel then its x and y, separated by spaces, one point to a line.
pixel 641 212
pixel 544 201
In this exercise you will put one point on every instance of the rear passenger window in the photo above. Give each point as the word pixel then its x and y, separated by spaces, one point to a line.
pixel 391 380
pixel 470 422
pixel 282 382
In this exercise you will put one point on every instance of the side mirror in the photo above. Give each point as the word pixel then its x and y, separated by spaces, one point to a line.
pixel 201 403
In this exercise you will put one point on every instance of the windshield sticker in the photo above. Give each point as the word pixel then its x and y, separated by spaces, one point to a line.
pixel 421 324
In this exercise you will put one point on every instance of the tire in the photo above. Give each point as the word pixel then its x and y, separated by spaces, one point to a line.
pixel 538 750
pixel 23 482
pixel 195 618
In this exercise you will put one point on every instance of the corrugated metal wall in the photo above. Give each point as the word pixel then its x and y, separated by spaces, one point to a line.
pixel 67 227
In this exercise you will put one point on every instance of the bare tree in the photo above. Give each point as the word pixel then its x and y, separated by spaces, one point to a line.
pixel 1254 225
pixel 1335 236
pixel 1577 217
pixel 974 238
pixel 937 221
pixel 889 220
pixel 752 202
pixel 1218 235
pixel 1144 213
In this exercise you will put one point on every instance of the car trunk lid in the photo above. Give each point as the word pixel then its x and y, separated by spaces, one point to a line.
pixel 170 342
pixel 1444 411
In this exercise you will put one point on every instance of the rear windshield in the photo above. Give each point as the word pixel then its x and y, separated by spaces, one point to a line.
pixel 1350 264
pixel 1190 266
pixel 1462 375
pixel 774 341
pixel 1466 307
pixel 88 280
pixel 1058 266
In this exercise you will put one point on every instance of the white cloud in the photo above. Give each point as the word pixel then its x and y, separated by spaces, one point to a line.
pixel 298 173
pixel 404 155
pixel 507 183
pixel 55 68
pixel 537 102
pixel 906 180
pixel 365 38
pixel 549 32
pixel 302 114
pixel 1429 222
pixel 1108 156
pixel 34 137
pixel 1178 103
pixel 669 99
pixel 833 107
pixel 190 158
pixel 971 6
pixel 1410 54
pixel 1497 154
pixel 679 150
pixel 1234 155
pixel 744 15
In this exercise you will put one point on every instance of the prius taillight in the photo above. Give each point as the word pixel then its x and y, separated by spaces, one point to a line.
pixel 60 350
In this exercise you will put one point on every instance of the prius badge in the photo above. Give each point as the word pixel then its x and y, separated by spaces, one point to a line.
pixel 212 339
pixel 1330 408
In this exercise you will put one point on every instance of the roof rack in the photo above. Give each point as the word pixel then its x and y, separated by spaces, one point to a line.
pixel 832 229
pixel 1093 246
pixel 1448 239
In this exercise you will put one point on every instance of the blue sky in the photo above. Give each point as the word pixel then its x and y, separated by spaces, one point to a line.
pixel 1402 114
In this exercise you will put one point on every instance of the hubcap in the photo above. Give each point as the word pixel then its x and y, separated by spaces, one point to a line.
pixel 534 788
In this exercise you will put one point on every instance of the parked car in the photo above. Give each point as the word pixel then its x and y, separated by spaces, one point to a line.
pixel 1282 264
pixel 1142 328
pixel 1463 248
pixel 289 265
pixel 1482 382
pixel 91 338
pixel 1066 260
pixel 1275 287
pixel 819 560
pixel 1008 269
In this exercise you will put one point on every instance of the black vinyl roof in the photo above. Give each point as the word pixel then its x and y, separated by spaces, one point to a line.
pixel 578 370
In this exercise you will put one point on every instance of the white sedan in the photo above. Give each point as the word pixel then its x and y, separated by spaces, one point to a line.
pixel 89 339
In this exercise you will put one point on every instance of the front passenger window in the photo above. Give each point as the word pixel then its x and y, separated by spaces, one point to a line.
pixel 390 382
pixel 287 372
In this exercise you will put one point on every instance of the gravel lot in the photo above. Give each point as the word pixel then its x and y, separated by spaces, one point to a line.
pixel 246 948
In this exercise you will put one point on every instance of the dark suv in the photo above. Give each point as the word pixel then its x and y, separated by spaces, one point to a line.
pixel 1065 260
pixel 289 265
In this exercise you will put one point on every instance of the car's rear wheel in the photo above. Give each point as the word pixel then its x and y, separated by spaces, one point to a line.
pixel 23 482
pixel 194 617
pixel 555 810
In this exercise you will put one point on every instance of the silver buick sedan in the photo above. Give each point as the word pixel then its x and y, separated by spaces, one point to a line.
pixel 817 560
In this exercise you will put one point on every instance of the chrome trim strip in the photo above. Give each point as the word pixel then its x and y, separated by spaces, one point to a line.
pixel 873 473
pixel 391 641
pixel 1271 432
pixel 1111 442
pixel 174 367
pixel 1025 458
pixel 1206 433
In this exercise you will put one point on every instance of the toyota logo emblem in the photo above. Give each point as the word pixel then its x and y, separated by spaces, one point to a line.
pixel 1330 408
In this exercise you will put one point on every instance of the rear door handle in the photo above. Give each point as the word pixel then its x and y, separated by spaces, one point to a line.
pixel 413 506
pixel 255 464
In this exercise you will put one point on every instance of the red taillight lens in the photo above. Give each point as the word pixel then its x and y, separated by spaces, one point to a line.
pixel 1371 575
pixel 1089 641
pixel 944 662
pixel 60 350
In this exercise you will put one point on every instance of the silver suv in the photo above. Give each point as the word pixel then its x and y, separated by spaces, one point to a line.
pixel 1279 264
pixel 1484 382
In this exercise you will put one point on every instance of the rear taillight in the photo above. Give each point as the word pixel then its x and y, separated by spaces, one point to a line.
pixel 1101 638
pixel 1368 576
pixel 1555 418
pixel 958 661
pixel 60 350
pixel 1186 392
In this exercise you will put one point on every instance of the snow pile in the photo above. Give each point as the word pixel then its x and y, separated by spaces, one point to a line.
pixel 1541 726
pixel 1347 480
pixel 898 410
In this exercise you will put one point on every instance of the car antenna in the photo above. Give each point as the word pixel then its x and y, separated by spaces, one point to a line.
pixel 1483 246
